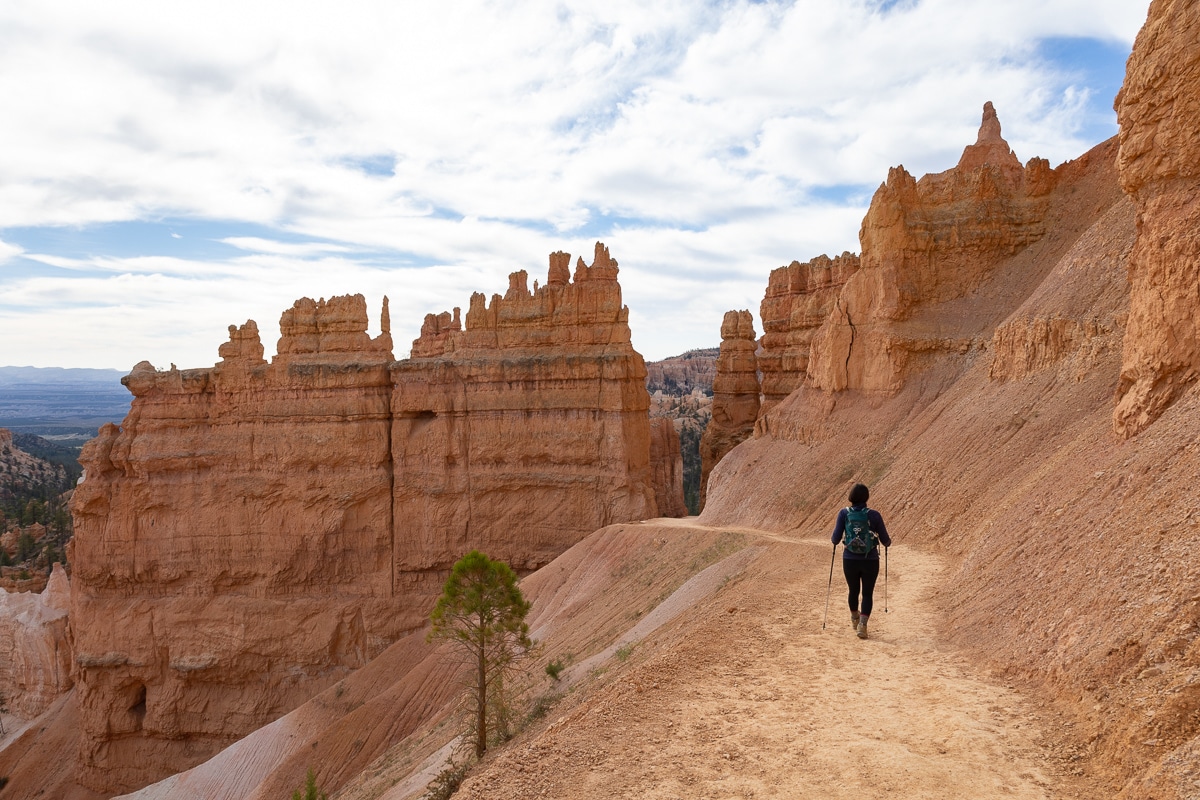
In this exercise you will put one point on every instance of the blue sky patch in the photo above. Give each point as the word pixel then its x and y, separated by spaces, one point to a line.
pixel 1097 65
pixel 381 165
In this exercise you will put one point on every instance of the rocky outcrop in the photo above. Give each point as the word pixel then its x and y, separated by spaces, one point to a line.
pixel 1158 111
pixel 527 429
pixel 682 374
pixel 254 531
pixel 24 475
pixel 1077 316
pixel 35 655
pixel 233 548
pixel 735 394
pixel 798 301
pixel 927 243
pixel 666 458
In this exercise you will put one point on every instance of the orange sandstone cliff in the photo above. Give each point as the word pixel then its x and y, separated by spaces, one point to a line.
pixel 930 250
pixel 1159 113
pixel 255 531
pixel 666 458
pixel 527 429
pixel 798 301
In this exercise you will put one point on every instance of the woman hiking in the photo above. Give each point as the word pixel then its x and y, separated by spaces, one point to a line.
pixel 862 529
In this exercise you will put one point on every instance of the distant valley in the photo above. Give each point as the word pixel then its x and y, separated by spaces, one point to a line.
pixel 63 405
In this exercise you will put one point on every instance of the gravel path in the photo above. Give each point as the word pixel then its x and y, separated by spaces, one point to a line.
pixel 751 698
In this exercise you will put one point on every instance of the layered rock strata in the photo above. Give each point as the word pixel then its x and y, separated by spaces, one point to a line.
pixel 233 545
pixel 254 531
pixel 525 430
pixel 928 243
pixel 1158 110
pixel 735 394
pixel 682 374
pixel 666 459
pixel 798 301
pixel 35 654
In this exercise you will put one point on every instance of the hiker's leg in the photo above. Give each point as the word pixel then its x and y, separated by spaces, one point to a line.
pixel 852 570
pixel 870 574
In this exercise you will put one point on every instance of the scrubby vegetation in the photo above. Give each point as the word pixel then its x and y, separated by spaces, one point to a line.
pixel 36 478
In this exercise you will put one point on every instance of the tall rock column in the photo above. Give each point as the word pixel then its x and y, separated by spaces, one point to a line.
pixel 1158 110
pixel 735 394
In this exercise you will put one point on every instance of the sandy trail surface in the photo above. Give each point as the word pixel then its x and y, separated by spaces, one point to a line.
pixel 754 699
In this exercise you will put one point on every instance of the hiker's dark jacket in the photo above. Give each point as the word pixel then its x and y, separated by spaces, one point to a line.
pixel 876 522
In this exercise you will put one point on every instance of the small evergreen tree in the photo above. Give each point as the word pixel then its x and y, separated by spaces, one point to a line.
pixel 482 611
pixel 310 790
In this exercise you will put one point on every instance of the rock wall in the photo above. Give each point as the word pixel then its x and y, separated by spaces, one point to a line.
pixel 735 394
pixel 35 654
pixel 1158 110
pixel 525 431
pixel 666 457
pixel 798 301
pixel 255 531
pixel 680 375
pixel 991 451
pixel 233 545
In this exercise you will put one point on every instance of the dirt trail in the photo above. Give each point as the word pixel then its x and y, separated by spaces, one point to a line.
pixel 754 699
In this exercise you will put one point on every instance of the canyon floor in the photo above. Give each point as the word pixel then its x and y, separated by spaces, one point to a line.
pixel 756 698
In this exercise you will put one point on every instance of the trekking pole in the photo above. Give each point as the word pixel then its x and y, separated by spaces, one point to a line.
pixel 885 552
pixel 829 588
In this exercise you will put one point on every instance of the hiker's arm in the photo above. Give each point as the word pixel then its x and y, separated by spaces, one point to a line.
pixel 839 526
pixel 881 530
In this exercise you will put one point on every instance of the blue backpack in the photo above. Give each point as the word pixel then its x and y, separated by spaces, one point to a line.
pixel 858 536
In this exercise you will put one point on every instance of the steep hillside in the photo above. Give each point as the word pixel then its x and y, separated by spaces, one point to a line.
pixel 36 477
pixel 1070 528
pixel 683 374
pixel 698 666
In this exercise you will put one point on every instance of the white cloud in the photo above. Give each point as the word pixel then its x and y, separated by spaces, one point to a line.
pixel 259 245
pixel 8 251
pixel 695 138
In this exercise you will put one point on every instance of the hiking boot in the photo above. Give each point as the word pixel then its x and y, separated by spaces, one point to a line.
pixel 862 629
pixel 853 619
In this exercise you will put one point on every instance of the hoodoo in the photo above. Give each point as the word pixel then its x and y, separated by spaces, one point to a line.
pixel 735 393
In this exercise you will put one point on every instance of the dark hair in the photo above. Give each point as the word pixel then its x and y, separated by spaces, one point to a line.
pixel 859 495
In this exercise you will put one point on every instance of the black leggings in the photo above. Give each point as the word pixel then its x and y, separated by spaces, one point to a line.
pixel 861 572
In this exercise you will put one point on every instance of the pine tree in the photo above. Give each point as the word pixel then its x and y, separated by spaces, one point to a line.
pixel 482 611
pixel 310 790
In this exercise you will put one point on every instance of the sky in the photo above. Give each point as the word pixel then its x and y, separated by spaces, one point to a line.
pixel 169 169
